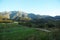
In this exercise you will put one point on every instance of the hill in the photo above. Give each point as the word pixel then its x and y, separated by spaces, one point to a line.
pixel 16 15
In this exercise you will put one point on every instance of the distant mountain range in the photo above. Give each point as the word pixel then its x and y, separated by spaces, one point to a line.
pixel 17 14
pixel 33 16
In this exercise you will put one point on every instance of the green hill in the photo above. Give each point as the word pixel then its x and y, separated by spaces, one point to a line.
pixel 18 32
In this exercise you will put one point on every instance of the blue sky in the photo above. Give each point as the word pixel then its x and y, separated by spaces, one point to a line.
pixel 42 7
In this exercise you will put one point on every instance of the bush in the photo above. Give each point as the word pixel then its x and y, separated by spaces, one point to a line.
pixel 6 21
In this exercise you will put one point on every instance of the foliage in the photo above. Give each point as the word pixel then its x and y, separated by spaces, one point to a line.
pixel 56 34
pixel 18 32
pixel 42 23
pixel 5 21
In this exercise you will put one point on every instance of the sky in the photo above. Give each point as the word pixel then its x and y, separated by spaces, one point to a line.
pixel 40 7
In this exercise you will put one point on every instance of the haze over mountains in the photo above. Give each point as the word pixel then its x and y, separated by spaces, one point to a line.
pixel 17 14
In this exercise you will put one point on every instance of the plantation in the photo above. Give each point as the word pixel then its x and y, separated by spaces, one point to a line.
pixel 14 31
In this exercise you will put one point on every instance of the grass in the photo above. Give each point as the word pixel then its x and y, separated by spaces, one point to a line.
pixel 18 32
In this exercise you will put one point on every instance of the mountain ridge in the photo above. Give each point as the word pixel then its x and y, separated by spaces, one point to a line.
pixel 17 14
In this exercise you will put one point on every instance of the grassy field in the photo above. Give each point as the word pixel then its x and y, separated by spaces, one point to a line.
pixel 18 32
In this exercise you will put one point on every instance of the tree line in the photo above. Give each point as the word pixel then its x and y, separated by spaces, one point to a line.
pixel 41 23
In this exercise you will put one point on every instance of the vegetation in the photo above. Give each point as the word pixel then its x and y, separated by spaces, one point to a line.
pixel 42 23
pixel 18 32
pixel 6 21
pixel 13 31
pixel 25 29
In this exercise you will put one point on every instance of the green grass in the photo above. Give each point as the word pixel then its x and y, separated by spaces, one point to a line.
pixel 18 32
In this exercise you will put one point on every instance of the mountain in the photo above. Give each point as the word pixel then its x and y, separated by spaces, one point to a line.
pixel 57 17
pixel 32 16
pixel 5 15
pixel 13 14
pixel 16 15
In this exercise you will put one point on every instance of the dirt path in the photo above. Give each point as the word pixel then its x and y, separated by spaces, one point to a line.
pixel 42 29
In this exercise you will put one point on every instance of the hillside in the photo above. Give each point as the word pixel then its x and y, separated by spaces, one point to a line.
pixel 18 32
pixel 15 15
